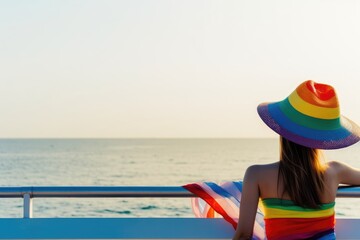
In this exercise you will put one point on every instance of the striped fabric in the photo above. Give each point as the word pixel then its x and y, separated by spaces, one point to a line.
pixel 282 218
pixel 222 200
pixel 311 117
pixel 285 220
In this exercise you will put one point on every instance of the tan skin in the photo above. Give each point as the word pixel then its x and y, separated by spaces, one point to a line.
pixel 260 181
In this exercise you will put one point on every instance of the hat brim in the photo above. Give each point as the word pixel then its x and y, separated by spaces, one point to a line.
pixel 345 135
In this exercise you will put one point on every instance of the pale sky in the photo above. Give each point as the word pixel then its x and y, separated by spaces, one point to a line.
pixel 118 69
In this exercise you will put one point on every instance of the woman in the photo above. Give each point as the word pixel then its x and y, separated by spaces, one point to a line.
pixel 298 192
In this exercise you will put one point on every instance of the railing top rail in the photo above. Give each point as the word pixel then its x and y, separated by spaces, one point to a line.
pixel 120 191
pixel 94 191
pixel 348 191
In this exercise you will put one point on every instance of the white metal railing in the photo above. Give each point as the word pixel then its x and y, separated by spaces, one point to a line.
pixel 28 193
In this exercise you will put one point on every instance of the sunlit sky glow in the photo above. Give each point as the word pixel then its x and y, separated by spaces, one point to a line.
pixel 108 69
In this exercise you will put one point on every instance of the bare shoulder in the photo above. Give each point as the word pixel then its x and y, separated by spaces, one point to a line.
pixel 264 177
pixel 257 171
pixel 332 167
pixel 262 167
pixel 343 172
pixel 336 167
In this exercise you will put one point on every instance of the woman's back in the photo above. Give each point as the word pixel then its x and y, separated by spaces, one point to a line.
pixel 335 173
pixel 272 186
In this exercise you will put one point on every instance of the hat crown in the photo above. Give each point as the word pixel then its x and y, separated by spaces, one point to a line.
pixel 322 91
pixel 316 100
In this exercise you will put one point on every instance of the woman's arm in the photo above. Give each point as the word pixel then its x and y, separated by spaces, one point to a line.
pixel 249 204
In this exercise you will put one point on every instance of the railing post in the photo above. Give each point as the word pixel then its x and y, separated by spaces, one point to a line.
pixel 27 205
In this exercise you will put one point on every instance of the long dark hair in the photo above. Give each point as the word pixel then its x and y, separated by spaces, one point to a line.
pixel 302 173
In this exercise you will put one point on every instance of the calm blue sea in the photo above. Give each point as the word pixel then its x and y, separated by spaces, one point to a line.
pixel 134 162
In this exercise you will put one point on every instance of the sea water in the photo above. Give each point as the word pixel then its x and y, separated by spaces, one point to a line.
pixel 135 162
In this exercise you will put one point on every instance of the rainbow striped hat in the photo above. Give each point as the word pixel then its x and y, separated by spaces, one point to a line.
pixel 310 116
